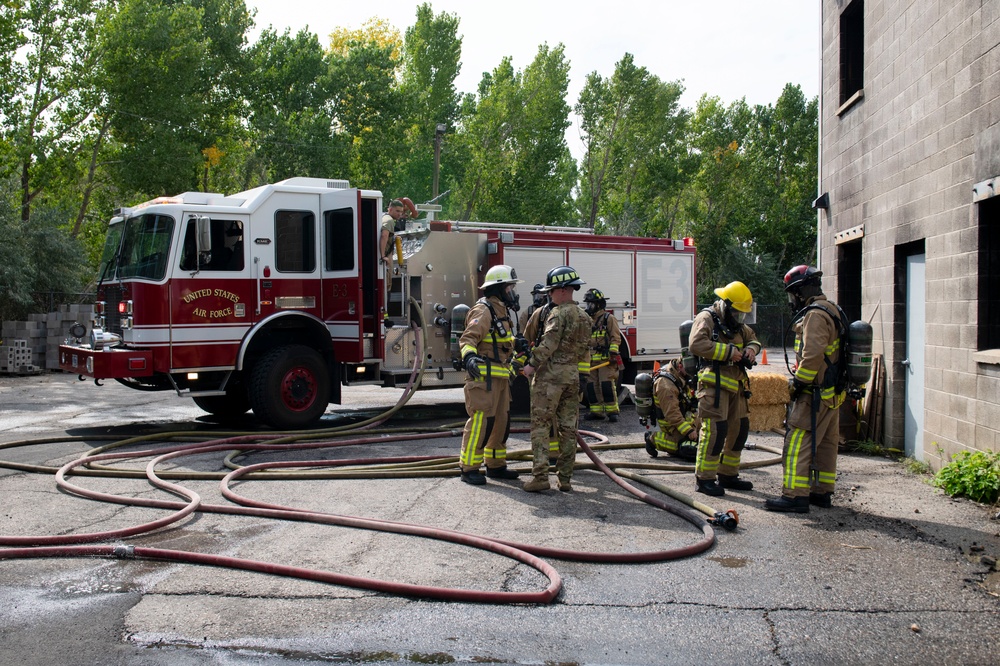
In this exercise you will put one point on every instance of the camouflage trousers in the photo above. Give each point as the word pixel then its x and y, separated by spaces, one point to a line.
pixel 554 401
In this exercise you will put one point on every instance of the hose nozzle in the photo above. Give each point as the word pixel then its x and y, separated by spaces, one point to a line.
pixel 728 520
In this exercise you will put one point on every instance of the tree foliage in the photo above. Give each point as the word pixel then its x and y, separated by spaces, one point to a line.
pixel 111 102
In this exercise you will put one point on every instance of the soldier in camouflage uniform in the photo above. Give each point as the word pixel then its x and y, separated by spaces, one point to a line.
pixel 487 347
pixel 558 372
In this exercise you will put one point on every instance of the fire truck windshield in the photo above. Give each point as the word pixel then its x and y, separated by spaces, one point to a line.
pixel 109 257
pixel 145 247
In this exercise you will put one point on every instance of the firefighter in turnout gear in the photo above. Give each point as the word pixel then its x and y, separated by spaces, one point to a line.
pixel 675 407
pixel 487 348
pixel 539 299
pixel 809 459
pixel 725 347
pixel 558 370
pixel 605 338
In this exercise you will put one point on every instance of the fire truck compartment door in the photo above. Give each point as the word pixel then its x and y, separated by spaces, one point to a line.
pixel 343 298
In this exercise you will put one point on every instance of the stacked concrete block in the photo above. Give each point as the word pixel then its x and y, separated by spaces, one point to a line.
pixel 16 357
pixel 38 339
pixel 58 324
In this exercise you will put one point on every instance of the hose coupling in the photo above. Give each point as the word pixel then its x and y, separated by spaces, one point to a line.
pixel 124 552
pixel 728 520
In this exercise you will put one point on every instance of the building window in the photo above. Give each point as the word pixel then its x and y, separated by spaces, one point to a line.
pixel 852 50
pixel 295 241
pixel 989 274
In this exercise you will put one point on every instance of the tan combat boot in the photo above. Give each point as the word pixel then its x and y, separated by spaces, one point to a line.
pixel 537 484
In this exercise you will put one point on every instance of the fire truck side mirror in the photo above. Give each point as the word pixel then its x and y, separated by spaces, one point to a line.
pixel 204 233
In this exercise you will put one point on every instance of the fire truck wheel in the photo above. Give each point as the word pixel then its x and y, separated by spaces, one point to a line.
pixel 227 407
pixel 290 387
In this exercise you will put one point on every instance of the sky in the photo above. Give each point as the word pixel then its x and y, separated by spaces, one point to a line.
pixel 729 49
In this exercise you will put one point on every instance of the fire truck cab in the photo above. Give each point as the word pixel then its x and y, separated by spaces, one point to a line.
pixel 274 298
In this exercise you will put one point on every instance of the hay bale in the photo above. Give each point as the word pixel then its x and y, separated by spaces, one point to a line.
pixel 765 418
pixel 768 388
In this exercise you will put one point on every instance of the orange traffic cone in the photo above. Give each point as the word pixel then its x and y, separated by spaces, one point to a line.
pixel 656 367
pixel 763 357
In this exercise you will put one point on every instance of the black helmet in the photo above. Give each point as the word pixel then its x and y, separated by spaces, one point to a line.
pixel 595 296
pixel 562 276
pixel 800 276
pixel 538 289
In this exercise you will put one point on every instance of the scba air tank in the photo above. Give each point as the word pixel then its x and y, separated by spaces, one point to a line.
pixel 689 362
pixel 644 396
pixel 458 315
pixel 859 352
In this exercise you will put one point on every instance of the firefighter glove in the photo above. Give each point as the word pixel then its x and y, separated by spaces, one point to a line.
pixel 472 362
pixel 520 344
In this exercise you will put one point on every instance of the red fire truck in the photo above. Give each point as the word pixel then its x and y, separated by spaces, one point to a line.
pixel 274 298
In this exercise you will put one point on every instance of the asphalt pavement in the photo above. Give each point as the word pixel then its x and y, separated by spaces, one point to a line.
pixel 895 572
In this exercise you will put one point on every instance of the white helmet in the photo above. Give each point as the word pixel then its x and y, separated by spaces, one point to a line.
pixel 500 274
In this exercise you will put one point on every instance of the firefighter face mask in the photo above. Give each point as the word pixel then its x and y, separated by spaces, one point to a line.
pixel 510 298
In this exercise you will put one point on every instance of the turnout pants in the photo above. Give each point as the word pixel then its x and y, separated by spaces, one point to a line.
pixel 797 457
pixel 485 434
pixel 723 433
pixel 602 391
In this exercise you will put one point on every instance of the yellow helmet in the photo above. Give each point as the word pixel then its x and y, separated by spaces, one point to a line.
pixel 500 274
pixel 736 294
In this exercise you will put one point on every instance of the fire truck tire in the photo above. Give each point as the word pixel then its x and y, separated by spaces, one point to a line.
pixel 227 407
pixel 290 387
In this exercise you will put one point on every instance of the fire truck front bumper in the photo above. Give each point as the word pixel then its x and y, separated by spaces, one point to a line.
pixel 108 363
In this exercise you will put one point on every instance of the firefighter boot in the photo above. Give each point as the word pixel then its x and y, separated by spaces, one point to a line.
pixel 822 500
pixel 537 484
pixel 501 473
pixel 788 504
pixel 709 487
pixel 650 447
pixel 474 477
pixel 594 416
pixel 613 417
pixel 733 482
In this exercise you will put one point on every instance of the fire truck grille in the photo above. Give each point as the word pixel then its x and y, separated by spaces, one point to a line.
pixel 112 320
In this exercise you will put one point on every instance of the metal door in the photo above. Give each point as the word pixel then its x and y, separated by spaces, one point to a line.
pixel 913 364
pixel 343 300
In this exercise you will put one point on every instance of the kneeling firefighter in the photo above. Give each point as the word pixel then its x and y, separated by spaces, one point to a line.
pixel 487 349
pixel 674 407
pixel 725 347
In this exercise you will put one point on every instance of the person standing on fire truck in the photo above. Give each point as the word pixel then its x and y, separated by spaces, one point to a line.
pixel 558 373
pixel 725 347
pixel 487 348
pixel 605 338
pixel 386 241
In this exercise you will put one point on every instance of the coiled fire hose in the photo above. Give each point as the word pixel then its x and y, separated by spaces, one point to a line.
pixel 242 444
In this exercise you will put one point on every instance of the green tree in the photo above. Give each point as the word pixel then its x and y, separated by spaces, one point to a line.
pixel 289 97
pixel 47 95
pixel 518 168
pixel 170 75
pixel 635 162
pixel 431 63
pixel 368 109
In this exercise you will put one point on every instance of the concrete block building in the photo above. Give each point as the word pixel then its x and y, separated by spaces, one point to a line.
pixel 909 208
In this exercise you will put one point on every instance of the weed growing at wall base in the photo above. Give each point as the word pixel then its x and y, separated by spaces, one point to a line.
pixel 973 474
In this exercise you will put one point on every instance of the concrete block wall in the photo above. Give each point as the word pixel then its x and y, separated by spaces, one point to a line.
pixel 40 336
pixel 902 162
